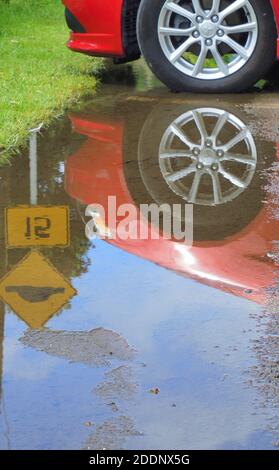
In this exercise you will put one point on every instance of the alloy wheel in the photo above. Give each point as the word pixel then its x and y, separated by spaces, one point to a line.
pixel 209 42
pixel 208 156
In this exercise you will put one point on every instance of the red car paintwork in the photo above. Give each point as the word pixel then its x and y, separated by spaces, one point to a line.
pixel 237 265
pixel 102 20
pixel 275 5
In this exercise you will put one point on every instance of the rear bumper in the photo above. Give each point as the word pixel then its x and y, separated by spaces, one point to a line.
pixel 103 27
pixel 96 27
pixel 104 45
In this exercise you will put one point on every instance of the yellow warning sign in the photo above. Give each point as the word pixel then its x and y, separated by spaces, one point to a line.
pixel 35 290
pixel 31 226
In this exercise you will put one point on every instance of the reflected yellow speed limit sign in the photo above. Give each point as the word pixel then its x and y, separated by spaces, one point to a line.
pixel 31 226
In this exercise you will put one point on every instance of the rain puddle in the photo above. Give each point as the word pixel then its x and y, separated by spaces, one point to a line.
pixel 139 343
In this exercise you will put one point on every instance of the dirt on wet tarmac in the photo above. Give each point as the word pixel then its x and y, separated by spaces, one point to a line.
pixel 199 325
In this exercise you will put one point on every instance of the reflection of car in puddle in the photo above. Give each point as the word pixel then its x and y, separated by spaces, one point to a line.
pixel 206 156
pixel 35 294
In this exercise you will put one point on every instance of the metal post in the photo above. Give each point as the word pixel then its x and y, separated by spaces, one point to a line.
pixel 33 165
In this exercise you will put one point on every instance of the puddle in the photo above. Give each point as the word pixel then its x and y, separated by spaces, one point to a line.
pixel 128 343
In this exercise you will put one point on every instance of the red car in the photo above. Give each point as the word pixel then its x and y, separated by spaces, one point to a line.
pixel 191 45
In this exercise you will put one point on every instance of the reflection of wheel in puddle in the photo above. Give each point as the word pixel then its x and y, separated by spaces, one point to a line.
pixel 208 156
pixel 219 211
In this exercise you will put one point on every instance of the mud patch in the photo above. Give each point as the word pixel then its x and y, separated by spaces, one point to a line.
pixel 265 120
pixel 119 384
pixel 94 348
pixel 112 434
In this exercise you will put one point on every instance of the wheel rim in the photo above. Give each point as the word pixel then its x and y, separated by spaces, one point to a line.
pixel 208 156
pixel 208 43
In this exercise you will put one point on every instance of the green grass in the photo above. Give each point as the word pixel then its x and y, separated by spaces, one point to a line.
pixel 39 76
pixel 208 63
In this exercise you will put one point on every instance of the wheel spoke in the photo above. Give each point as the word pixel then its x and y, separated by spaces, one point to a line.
pixel 215 7
pixel 176 31
pixel 217 191
pixel 236 5
pixel 222 120
pixel 242 28
pixel 183 48
pixel 181 136
pixel 177 154
pixel 197 7
pixel 219 61
pixel 199 121
pixel 199 64
pixel 232 178
pixel 195 187
pixel 235 46
pixel 178 175
pixel 236 140
pixel 180 11
pixel 234 157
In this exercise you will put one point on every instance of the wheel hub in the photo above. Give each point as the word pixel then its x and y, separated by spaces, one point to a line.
pixel 207 157
pixel 208 29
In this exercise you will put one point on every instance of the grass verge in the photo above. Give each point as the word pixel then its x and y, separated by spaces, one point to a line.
pixel 39 76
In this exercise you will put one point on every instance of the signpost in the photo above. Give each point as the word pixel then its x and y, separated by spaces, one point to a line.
pixel 33 289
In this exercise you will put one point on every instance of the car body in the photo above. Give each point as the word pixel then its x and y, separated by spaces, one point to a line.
pixel 110 27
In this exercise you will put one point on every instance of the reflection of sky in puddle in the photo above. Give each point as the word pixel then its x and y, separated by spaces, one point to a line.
pixel 192 351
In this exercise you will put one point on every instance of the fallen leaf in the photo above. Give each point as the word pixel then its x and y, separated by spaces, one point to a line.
pixel 154 391
pixel 88 424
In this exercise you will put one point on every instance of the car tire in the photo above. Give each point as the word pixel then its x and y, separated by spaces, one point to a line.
pixel 238 72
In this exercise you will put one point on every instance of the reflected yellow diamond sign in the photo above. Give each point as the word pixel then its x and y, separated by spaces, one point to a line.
pixel 35 290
